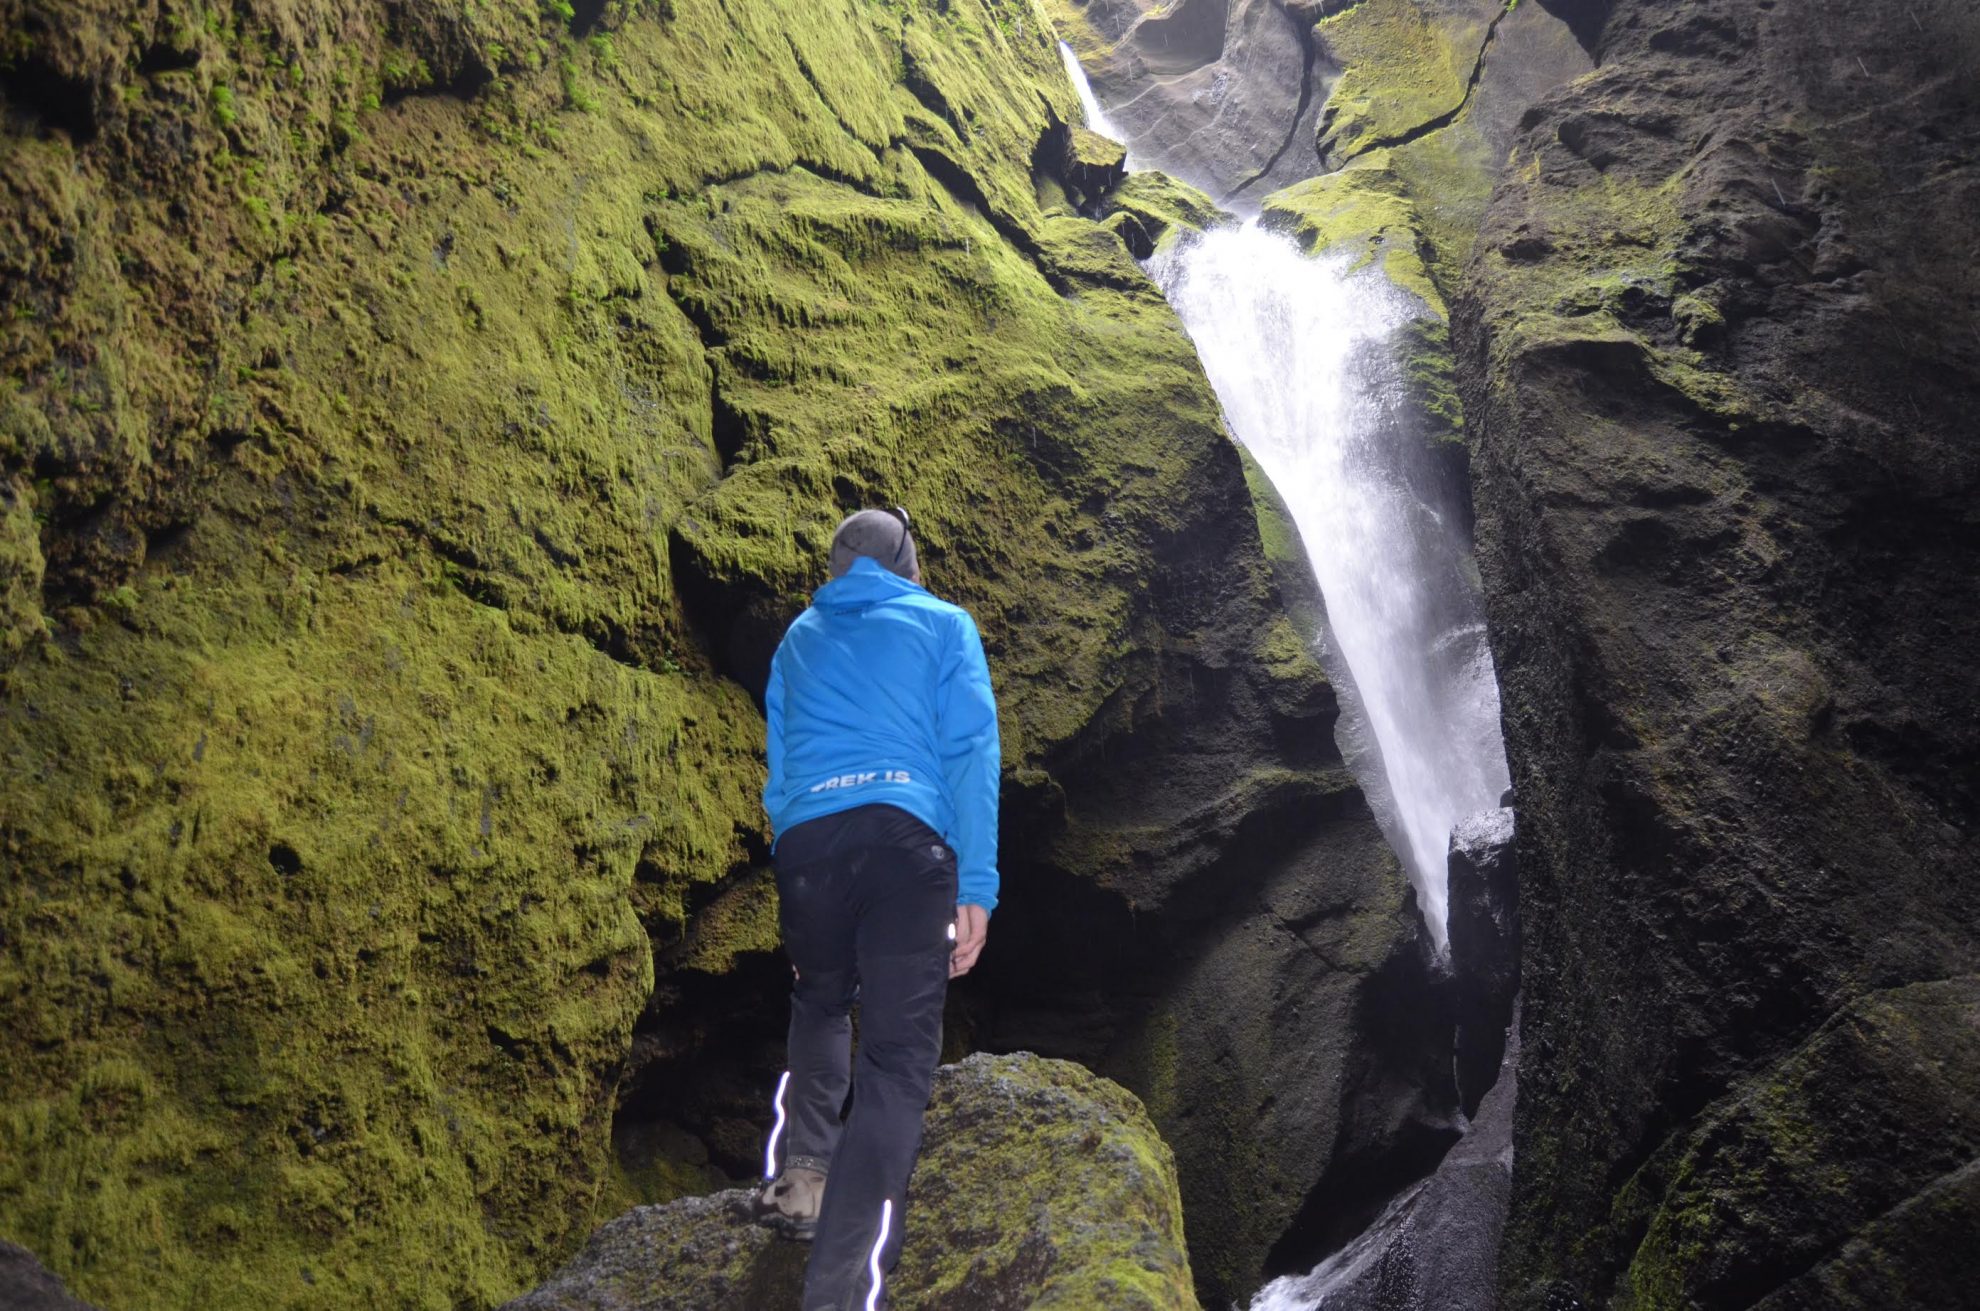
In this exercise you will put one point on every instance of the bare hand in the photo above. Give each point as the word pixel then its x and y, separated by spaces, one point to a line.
pixel 972 928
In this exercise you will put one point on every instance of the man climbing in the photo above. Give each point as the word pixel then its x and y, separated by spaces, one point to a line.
pixel 882 798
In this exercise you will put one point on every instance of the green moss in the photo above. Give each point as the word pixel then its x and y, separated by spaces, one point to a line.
pixel 1402 67
pixel 1019 1146
pixel 1160 209
pixel 344 829
pixel 1369 210
pixel 1787 1166
pixel 1365 209
pixel 21 567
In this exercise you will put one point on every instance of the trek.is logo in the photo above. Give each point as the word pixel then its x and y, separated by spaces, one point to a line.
pixel 870 776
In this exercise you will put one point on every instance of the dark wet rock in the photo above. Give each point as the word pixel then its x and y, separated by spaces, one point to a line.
pixel 26 1286
pixel 1039 1184
pixel 1718 361
pixel 1484 939
pixel 1874 1121
pixel 1436 1247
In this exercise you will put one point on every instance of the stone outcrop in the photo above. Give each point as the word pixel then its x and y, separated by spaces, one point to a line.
pixel 1221 93
pixel 1039 1185
pixel 1484 941
pixel 1436 1246
pixel 1719 365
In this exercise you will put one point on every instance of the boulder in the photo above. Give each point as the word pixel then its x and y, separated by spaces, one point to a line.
pixel 1039 1185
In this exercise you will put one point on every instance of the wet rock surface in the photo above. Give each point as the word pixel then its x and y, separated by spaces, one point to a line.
pixel 1484 940
pixel 1717 360
pixel 1436 1246
pixel 1221 94
pixel 1039 1185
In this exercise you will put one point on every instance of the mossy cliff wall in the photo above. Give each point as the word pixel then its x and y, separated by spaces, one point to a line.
pixel 416 421
pixel 1720 359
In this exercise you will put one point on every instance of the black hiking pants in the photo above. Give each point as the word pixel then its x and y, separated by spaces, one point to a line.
pixel 868 905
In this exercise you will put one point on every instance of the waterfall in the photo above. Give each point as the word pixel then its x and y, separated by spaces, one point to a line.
pixel 1302 355
pixel 1096 117
pixel 1297 351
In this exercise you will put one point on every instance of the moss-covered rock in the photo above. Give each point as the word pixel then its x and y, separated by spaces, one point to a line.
pixel 417 422
pixel 1039 1185
pixel 1784 1170
pixel 1147 210
pixel 412 414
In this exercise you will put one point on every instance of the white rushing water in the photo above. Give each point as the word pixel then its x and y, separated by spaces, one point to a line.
pixel 1301 354
pixel 1096 117
pixel 1310 1292
pixel 1296 349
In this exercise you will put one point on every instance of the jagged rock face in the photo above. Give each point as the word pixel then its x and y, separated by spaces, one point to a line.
pixel 1720 364
pixel 1039 1185
pixel 1221 93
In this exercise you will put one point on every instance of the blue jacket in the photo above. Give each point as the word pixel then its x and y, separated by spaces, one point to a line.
pixel 879 694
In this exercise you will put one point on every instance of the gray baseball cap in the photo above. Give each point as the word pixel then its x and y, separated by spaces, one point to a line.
pixel 881 536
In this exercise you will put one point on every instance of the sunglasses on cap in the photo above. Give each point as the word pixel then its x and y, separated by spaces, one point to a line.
pixel 902 515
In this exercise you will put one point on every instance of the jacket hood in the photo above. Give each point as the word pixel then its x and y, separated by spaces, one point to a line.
pixel 866 583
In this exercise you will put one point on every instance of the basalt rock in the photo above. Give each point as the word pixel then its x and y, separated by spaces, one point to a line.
pixel 1039 1185
pixel 1717 359
pixel 1436 1246
pixel 1484 939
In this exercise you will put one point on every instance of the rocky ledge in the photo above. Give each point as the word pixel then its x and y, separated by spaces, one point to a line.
pixel 1040 1185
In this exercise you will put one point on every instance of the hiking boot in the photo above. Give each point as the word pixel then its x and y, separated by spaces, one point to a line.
pixel 789 1203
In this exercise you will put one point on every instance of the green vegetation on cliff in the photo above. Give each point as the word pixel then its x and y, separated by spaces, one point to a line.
pixel 413 416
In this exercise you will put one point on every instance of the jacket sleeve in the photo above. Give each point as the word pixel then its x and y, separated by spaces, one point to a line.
pixel 972 764
pixel 773 740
